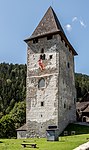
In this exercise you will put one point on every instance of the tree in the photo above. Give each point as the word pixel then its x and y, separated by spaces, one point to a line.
pixel 18 114
pixel 7 127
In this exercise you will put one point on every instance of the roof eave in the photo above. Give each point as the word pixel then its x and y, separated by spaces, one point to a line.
pixel 54 32
pixel 41 35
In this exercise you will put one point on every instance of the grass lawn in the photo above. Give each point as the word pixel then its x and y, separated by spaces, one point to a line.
pixel 64 143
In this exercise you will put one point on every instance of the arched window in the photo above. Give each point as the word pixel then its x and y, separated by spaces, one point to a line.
pixel 41 83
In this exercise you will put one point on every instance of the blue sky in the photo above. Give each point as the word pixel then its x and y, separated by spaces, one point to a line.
pixel 19 18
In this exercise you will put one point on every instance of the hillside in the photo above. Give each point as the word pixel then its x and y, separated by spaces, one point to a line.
pixel 82 85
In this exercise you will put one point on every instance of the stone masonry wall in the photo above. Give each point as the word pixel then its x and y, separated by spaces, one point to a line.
pixel 40 117
pixel 58 94
pixel 67 92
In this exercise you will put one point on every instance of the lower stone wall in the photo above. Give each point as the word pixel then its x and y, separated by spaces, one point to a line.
pixel 21 134
pixel 68 117
pixel 35 129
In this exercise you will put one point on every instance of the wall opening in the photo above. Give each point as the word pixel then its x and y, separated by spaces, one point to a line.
pixel 41 83
pixel 51 56
pixel 64 105
pixel 42 103
pixel 42 50
pixel 68 64
pixel 42 57
pixel 35 40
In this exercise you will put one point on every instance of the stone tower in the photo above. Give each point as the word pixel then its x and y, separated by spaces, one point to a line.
pixel 51 91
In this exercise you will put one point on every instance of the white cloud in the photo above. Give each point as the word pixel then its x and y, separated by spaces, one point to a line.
pixel 82 24
pixel 74 19
pixel 68 27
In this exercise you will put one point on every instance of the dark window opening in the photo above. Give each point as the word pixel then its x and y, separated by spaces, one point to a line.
pixel 68 65
pixel 84 119
pixel 42 103
pixel 74 100
pixel 41 115
pixel 35 40
pixel 64 105
pixel 50 56
pixel 52 127
pixel 66 44
pixel 42 50
pixel 49 37
pixel 42 57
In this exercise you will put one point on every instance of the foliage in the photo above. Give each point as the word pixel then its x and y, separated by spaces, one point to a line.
pixel 12 98
pixel 7 128
pixel 18 114
pixel 9 123
pixel 82 85
pixel 12 86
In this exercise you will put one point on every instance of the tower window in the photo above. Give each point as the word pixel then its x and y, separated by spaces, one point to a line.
pixel 42 50
pixel 50 56
pixel 68 64
pixel 49 37
pixel 64 105
pixel 42 57
pixel 35 40
pixel 41 83
pixel 42 103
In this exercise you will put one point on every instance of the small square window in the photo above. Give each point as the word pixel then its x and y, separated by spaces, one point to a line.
pixel 35 40
pixel 42 103
pixel 42 57
pixel 50 56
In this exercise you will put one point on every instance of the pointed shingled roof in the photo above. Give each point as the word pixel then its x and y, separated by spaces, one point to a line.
pixel 50 25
